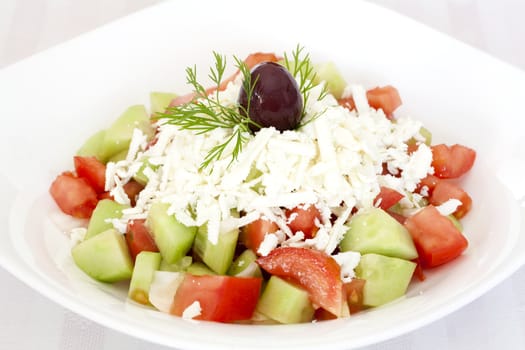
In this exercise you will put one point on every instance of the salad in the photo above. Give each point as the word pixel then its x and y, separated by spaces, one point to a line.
pixel 280 194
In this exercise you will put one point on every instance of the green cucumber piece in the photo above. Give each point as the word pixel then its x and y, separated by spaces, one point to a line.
pixel 139 176
pixel 179 266
pixel 118 136
pixel 105 209
pixel 119 156
pixel 104 257
pixel 173 239
pixel 91 148
pixel 456 222
pixel 375 231
pixel 285 303
pixel 159 101
pixel 146 263
pixel 329 73
pixel 218 256
pixel 199 269
pixel 386 278
pixel 245 265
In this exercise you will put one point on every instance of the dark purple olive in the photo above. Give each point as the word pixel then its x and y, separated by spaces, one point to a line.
pixel 275 101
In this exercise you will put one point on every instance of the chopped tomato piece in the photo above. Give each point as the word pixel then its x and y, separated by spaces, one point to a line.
pixel 452 161
pixel 132 189
pixel 387 98
pixel 139 238
pixel 221 298
pixel 253 234
pixel 93 170
pixel 347 102
pixel 400 218
pixel 353 292
pixel 445 190
pixel 321 314
pixel 436 238
pixel 418 272
pixel 387 198
pixel 73 195
pixel 430 182
pixel 317 272
pixel 304 218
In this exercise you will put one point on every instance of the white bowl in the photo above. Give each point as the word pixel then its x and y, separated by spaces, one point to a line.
pixel 51 102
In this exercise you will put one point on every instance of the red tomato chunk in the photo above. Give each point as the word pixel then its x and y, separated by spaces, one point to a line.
pixel 221 298
pixel 387 198
pixel 93 170
pixel 73 195
pixel 445 190
pixel 253 234
pixel 139 238
pixel 317 272
pixel 436 238
pixel 452 161
pixel 303 218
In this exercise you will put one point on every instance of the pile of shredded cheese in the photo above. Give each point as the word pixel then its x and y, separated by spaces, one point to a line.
pixel 334 162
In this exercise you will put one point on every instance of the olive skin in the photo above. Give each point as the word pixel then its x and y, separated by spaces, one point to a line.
pixel 275 101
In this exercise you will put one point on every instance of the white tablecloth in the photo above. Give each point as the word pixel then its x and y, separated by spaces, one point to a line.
pixel 30 321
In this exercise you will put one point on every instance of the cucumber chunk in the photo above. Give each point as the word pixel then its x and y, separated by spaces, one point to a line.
pixel 146 264
pixel 140 177
pixel 386 278
pixel 105 209
pixel 245 265
pixel 375 231
pixel 329 73
pixel 173 239
pixel 284 302
pixel 104 257
pixel 159 101
pixel 118 136
pixel 179 266
pixel 218 256
pixel 91 148
pixel 199 269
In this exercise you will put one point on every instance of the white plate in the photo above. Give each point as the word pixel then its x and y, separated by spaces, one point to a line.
pixel 54 100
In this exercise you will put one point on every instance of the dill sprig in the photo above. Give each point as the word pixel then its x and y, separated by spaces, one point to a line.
pixel 301 67
pixel 206 112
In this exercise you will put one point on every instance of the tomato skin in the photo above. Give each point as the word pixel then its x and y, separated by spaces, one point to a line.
pixel 73 195
pixel 386 98
pixel 317 272
pixel 353 293
pixel 132 189
pixel 303 218
pixel 221 298
pixel 451 162
pixel 430 181
pixel 436 238
pixel 388 198
pixel 253 234
pixel 139 238
pixel 93 170
pixel 445 190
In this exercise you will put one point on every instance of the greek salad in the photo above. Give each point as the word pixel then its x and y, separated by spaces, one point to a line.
pixel 278 194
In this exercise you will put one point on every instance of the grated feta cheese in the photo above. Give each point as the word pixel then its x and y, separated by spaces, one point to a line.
pixel 192 311
pixel 348 262
pixel 449 207
pixel 334 162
